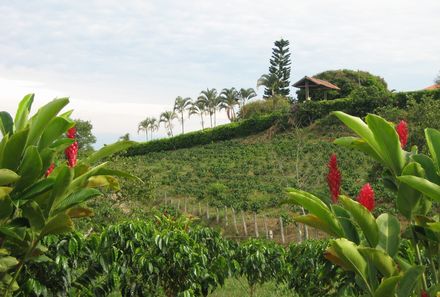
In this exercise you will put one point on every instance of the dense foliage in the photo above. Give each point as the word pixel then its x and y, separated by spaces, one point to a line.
pixel 276 104
pixel 223 132
pixel 84 135
pixel 348 81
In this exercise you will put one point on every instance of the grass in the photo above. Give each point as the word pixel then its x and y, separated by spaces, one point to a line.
pixel 239 288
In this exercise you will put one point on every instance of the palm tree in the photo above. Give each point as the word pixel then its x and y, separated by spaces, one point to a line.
pixel 229 98
pixel 167 118
pixel 246 95
pixel 144 126
pixel 198 107
pixel 154 126
pixel 180 106
pixel 210 100
pixel 270 81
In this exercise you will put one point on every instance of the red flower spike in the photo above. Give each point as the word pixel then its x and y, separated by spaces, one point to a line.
pixel 366 197
pixel 424 294
pixel 49 170
pixel 402 131
pixel 334 178
pixel 71 152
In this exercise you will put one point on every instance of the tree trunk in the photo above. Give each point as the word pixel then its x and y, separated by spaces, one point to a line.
pixel 146 135
pixel 203 124
pixel 183 129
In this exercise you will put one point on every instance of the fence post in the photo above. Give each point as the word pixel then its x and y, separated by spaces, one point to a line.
pixel 207 210
pixel 235 221
pixel 265 226
pixel 226 216
pixel 217 215
pixel 244 224
pixel 256 225
pixel 185 206
pixel 282 230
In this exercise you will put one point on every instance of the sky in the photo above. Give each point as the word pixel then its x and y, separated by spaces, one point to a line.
pixel 122 61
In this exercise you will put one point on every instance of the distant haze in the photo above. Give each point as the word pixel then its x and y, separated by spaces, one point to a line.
pixel 121 61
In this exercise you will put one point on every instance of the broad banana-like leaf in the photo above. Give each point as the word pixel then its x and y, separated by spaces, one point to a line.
pixel 43 117
pixel 433 140
pixel 363 218
pixel 57 127
pixel 422 185
pixel 359 144
pixel 4 191
pixel 409 281
pixel 407 197
pixel 23 110
pixel 8 177
pixel 6 123
pixel 75 199
pixel 387 287
pixel 344 218
pixel 429 167
pixel 61 223
pixel 316 207
pixel 388 142
pixel 31 168
pixel 331 255
pixel 109 150
pixel 3 142
pixel 33 213
pixel 98 181
pixel 381 260
pixel 14 149
pixel 61 144
pixel 36 189
pixel 114 172
pixel 85 173
pixel 315 222
pixel 63 179
pixel 79 212
pixel 348 252
pixel 389 233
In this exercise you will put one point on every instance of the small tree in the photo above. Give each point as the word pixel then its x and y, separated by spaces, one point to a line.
pixel 84 135
pixel 229 99
pixel 180 106
pixel 144 126
pixel 167 118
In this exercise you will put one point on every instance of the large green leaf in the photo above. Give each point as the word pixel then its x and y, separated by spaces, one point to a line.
pixel 113 172
pixel 14 149
pixel 30 169
pixel 389 233
pixel 388 142
pixel 63 179
pixel 33 213
pixel 433 141
pixel 7 263
pixel 422 185
pixel 346 223
pixel 315 206
pixel 363 218
pixel 57 225
pixel 43 117
pixel 359 144
pixel 387 287
pixel 407 197
pixel 75 198
pixel 429 167
pixel 349 254
pixel 4 191
pixel 359 127
pixel 6 123
pixel 315 222
pixel 57 127
pixel 6 207
pixel 36 189
pixel 8 176
pixel 24 108
pixel 409 281
pixel 381 260
pixel 109 150
pixel 81 180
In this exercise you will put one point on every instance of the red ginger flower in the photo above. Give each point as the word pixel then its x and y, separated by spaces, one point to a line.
pixel 49 170
pixel 334 178
pixel 366 197
pixel 424 294
pixel 402 131
pixel 72 151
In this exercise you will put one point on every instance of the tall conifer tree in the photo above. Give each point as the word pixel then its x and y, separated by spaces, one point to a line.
pixel 280 69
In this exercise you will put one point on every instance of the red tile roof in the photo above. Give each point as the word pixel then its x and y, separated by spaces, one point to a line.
pixel 433 87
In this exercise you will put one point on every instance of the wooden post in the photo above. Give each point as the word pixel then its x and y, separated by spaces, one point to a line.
pixel 282 230
pixel 234 218
pixel 185 207
pixel 217 217
pixel 244 224
pixel 270 234
pixel 207 210
pixel 256 225
pixel 226 216
pixel 299 233
pixel 265 226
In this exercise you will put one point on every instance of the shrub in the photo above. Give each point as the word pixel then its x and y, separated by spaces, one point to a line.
pixel 348 81
pixel 277 104
pixel 220 133
pixel 310 274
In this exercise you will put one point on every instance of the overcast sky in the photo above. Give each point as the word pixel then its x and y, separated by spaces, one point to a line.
pixel 121 61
